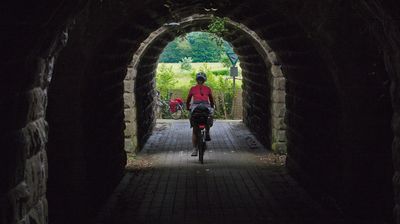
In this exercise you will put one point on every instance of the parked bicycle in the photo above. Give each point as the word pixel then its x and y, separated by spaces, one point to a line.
pixel 170 108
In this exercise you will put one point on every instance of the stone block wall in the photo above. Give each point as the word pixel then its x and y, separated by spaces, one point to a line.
pixel 257 100
pixel 273 134
pixel 23 139
pixel 139 92
pixel 278 110
pixel 27 200
pixel 336 133
pixel 384 18
pixel 34 39
pixel 86 128
pixel 325 98
pixel 145 95
pixel 131 141
pixel 256 92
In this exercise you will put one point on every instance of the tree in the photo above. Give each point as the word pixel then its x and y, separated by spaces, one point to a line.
pixel 204 49
pixel 186 63
pixel 184 47
pixel 171 54
pixel 165 80
pixel 200 46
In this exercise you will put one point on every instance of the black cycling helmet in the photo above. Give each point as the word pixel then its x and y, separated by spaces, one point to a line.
pixel 201 76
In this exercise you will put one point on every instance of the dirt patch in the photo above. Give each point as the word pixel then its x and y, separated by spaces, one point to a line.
pixel 272 159
pixel 136 164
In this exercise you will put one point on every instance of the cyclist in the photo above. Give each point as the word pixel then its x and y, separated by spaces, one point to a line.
pixel 200 94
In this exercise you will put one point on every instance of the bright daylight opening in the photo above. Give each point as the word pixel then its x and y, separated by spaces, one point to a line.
pixel 178 65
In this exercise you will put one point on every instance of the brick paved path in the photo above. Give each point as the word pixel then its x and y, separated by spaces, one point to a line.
pixel 235 185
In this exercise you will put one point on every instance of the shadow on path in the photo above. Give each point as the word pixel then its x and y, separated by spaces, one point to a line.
pixel 240 182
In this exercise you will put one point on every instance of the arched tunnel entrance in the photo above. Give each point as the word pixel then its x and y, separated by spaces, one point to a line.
pixel 264 83
pixel 335 72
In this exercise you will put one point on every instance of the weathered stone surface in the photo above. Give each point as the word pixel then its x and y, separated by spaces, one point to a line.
pixel 26 199
pixel 37 103
pixel 39 213
pixel 278 96
pixel 35 134
pixel 17 202
pixel 130 114
pixel 131 144
pixel 279 135
pixel 279 83
pixel 276 71
pixel 129 100
pixel 129 86
pixel 128 145
pixel 278 123
pixel 273 58
pixel 279 147
pixel 278 109
pixel 131 130
pixel 36 177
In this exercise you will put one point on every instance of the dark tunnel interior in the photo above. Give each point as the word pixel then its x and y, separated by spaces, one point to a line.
pixel 78 85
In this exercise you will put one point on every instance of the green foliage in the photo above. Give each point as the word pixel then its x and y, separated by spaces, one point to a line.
pixel 184 45
pixel 225 61
pixel 200 46
pixel 217 26
pixel 204 48
pixel 186 63
pixel 221 72
pixel 165 79
pixel 218 29
pixel 221 87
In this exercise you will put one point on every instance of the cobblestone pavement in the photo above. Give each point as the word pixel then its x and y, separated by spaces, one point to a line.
pixel 236 184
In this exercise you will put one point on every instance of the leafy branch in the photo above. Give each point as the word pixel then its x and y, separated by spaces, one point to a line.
pixel 218 29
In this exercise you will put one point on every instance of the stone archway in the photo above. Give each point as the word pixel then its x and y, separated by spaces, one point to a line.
pixel 277 81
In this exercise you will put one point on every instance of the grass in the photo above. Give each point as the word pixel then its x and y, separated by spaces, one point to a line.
pixel 221 84
pixel 184 77
pixel 195 66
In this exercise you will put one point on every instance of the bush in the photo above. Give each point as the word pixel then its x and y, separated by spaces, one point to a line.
pixel 165 80
pixel 225 61
pixel 186 63
pixel 217 80
pixel 221 72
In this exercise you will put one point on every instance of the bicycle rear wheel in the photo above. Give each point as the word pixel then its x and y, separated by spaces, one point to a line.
pixel 202 146
pixel 201 153
pixel 178 112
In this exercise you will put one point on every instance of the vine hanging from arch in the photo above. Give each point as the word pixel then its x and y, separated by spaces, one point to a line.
pixel 216 27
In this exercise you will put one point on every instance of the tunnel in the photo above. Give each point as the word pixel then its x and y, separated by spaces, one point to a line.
pixel 78 79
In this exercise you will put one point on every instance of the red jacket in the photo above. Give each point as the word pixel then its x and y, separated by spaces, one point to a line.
pixel 200 93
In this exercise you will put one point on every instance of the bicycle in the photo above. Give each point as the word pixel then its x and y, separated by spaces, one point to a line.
pixel 172 108
pixel 200 119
